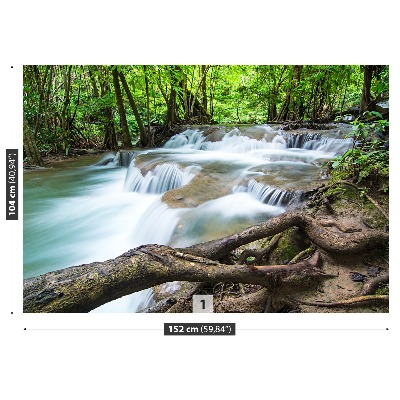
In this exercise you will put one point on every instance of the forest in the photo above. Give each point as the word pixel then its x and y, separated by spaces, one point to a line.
pixel 114 107
pixel 322 243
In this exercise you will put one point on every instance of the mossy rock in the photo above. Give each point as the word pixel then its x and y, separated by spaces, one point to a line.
pixel 348 201
pixel 291 243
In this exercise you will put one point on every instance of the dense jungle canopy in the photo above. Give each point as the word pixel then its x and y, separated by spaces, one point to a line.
pixel 82 106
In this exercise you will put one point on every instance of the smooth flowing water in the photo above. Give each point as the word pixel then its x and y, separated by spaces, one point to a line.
pixel 201 185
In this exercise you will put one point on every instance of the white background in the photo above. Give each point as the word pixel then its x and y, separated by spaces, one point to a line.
pixel 118 356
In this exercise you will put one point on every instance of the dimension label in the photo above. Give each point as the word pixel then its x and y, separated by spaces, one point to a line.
pixel 212 329
pixel 12 184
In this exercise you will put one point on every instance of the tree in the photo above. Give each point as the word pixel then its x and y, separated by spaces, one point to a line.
pixel 366 91
pixel 367 101
pixel 132 103
pixel 204 70
pixel 74 106
pixel 126 138
pixel 30 147
pixel 65 115
pixel 149 131
pixel 288 108
pixel 172 114
pixel 97 73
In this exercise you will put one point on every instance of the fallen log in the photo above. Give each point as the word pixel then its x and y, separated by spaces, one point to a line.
pixel 83 288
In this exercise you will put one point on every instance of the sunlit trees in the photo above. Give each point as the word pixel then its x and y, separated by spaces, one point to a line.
pixel 72 106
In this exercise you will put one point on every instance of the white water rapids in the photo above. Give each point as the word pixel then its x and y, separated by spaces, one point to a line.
pixel 219 184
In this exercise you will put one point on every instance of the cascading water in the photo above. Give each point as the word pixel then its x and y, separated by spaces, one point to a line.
pixel 267 194
pixel 193 138
pixel 196 188
pixel 164 177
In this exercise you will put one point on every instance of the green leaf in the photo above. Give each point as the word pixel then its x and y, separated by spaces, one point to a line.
pixel 377 114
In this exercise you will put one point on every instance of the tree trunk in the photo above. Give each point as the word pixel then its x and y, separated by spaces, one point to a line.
pixel 110 136
pixel 142 132
pixel 172 116
pixel 149 133
pixel 171 109
pixel 288 110
pixel 195 104
pixel 65 113
pixel 46 109
pixel 126 138
pixel 204 70
pixel 30 147
pixel 106 113
pixel 211 93
pixel 189 101
pixel 294 109
pixel 274 94
pixel 41 82
pixel 366 91
pixel 272 110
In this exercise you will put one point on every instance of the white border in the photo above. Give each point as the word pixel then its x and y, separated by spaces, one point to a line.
pixel 179 32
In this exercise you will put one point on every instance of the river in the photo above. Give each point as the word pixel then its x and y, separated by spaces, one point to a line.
pixel 202 185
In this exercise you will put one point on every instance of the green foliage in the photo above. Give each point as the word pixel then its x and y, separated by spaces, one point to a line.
pixel 383 289
pixel 66 104
pixel 368 159
pixel 380 85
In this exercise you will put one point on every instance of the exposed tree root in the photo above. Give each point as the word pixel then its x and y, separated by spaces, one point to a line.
pixel 248 303
pixel 258 255
pixel 303 254
pixel 337 224
pixel 353 302
pixel 373 284
pixel 85 287
pixel 323 237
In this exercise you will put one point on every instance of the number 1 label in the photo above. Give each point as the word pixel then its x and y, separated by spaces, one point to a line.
pixel 203 303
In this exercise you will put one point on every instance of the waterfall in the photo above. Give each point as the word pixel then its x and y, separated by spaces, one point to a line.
pixel 109 159
pixel 96 212
pixel 125 158
pixel 298 141
pixel 330 145
pixel 318 142
pixel 156 224
pixel 267 194
pixel 236 142
pixel 221 217
pixel 242 144
pixel 191 137
pixel 164 177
